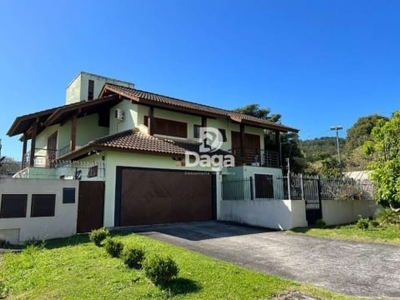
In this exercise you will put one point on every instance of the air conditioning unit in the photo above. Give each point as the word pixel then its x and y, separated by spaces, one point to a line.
pixel 119 114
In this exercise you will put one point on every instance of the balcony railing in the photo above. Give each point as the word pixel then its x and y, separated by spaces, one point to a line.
pixel 256 157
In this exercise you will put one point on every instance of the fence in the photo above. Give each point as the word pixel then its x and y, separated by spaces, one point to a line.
pixel 306 187
pixel 77 170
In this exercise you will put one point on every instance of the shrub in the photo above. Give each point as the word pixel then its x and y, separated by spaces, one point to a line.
pixel 113 247
pixel 388 216
pixel 3 290
pixel 97 236
pixel 133 257
pixel 363 223
pixel 320 223
pixel 160 269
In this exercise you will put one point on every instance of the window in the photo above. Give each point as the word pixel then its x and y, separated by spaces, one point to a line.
pixel 264 186
pixel 43 205
pixel 13 206
pixel 68 195
pixel 90 90
pixel 196 131
pixel 223 134
pixel 93 171
pixel 168 127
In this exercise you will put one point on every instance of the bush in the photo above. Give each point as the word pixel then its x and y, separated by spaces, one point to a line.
pixel 363 223
pixel 97 236
pixel 3 290
pixel 160 269
pixel 114 248
pixel 388 216
pixel 133 257
pixel 320 223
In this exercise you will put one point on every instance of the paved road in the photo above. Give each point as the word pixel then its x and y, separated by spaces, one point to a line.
pixel 355 268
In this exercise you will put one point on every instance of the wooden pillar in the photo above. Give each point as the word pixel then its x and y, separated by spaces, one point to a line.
pixel 242 140
pixel 33 144
pixel 24 146
pixel 150 120
pixel 278 146
pixel 72 141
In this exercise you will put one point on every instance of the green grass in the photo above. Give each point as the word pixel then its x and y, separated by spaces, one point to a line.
pixel 76 269
pixel 389 234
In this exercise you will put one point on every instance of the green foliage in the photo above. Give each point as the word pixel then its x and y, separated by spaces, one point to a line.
pixel 97 236
pixel 113 247
pixel 159 269
pixel 384 149
pixel 330 168
pixel 388 216
pixel 320 223
pixel 362 223
pixel 3 290
pixel 321 148
pixel 360 132
pixel 255 111
pixel 133 257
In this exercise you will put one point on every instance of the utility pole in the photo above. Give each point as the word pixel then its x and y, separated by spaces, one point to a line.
pixel 337 128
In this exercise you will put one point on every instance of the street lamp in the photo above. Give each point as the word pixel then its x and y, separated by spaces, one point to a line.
pixel 337 128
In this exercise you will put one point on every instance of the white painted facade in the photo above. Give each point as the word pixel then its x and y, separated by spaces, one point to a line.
pixel 335 212
pixel 275 214
pixel 77 89
pixel 62 224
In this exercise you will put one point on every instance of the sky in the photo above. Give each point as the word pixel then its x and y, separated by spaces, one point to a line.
pixel 317 63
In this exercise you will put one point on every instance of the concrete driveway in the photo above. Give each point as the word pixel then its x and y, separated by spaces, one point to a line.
pixel 355 268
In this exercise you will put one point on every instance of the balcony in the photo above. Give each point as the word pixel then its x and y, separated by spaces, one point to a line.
pixel 256 157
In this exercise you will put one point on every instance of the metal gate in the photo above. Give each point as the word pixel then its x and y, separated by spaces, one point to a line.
pixel 312 196
pixel 308 189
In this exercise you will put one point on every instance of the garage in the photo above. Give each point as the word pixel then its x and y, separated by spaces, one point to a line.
pixel 156 196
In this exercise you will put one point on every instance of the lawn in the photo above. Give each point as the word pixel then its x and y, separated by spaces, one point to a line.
pixel 389 234
pixel 75 268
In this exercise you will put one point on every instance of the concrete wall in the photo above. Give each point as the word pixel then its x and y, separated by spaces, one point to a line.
pixel 275 214
pixel 335 212
pixel 62 224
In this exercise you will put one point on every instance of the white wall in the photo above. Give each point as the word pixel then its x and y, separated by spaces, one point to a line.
pixel 131 117
pixel 335 212
pixel 275 214
pixel 62 224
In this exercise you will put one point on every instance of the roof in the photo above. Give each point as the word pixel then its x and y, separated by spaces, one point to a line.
pixel 157 100
pixel 58 114
pixel 134 140
pixel 112 93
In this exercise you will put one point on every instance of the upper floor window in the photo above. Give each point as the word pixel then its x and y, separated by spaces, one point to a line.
pixel 168 127
pixel 90 90
pixel 196 131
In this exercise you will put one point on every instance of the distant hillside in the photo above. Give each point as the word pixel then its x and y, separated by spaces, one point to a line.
pixel 321 148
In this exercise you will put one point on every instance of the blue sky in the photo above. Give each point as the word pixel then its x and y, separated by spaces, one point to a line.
pixel 318 63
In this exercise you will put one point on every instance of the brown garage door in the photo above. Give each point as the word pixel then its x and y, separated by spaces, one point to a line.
pixel 149 196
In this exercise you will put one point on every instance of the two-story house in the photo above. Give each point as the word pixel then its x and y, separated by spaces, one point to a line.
pixel 137 143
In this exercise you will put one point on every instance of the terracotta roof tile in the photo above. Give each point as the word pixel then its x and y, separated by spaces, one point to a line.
pixel 137 95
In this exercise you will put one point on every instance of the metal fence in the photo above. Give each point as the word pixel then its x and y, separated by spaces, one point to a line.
pixel 77 170
pixel 298 187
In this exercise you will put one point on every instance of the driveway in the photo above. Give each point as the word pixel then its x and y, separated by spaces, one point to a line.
pixel 355 268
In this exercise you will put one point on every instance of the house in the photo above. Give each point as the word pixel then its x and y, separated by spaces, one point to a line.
pixel 145 158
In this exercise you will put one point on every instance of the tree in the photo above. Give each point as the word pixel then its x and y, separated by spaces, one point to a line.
pixel 384 148
pixel 9 166
pixel 289 141
pixel 255 111
pixel 360 132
